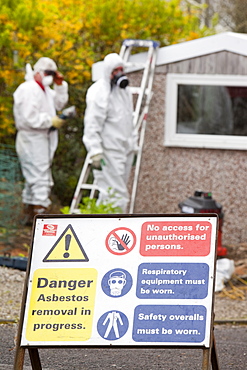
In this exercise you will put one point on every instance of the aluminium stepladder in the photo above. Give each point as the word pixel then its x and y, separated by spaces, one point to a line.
pixel 143 97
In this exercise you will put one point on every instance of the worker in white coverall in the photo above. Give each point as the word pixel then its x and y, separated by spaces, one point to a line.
pixel 109 133
pixel 35 105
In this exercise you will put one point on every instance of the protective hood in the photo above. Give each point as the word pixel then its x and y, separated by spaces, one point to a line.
pixel 43 64
pixel 111 62
pixel 29 72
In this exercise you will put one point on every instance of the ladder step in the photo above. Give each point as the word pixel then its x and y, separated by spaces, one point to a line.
pixel 141 43
pixel 89 187
pixel 135 65
pixel 137 90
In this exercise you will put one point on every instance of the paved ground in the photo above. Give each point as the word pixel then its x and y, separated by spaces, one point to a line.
pixel 231 344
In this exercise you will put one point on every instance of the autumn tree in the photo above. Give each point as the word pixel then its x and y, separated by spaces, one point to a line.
pixel 231 14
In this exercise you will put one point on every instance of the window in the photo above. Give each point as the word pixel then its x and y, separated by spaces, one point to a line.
pixel 206 111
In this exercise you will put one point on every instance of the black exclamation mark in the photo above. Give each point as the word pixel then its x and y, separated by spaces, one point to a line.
pixel 67 243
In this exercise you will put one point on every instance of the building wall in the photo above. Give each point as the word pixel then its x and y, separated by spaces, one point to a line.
pixel 170 175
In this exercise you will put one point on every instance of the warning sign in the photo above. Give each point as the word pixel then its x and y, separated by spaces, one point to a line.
pixel 112 325
pixel 182 238
pixel 159 292
pixel 62 304
pixel 168 323
pixel 120 241
pixel 172 280
pixel 67 248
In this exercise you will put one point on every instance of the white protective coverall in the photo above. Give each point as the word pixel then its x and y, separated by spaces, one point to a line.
pixel 109 130
pixel 35 144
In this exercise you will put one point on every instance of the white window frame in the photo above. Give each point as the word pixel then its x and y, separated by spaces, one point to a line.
pixel 172 138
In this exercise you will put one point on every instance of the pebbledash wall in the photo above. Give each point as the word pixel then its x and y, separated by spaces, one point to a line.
pixel 170 174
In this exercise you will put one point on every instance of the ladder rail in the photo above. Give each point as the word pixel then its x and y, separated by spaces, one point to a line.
pixel 142 93
pixel 142 124
pixel 83 185
pixel 82 179
pixel 137 169
pixel 125 53
pixel 142 89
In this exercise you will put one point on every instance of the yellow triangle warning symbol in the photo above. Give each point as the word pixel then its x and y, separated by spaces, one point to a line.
pixel 67 248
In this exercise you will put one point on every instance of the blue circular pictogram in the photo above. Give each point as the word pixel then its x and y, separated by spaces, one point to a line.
pixel 116 283
pixel 112 325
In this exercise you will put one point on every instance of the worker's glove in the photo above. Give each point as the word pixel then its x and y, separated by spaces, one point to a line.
pixel 97 161
pixel 58 78
pixel 57 122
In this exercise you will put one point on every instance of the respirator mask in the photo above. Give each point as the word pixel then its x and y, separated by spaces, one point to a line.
pixel 120 80
pixel 47 79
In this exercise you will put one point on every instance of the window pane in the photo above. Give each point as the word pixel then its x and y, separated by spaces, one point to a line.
pixel 212 110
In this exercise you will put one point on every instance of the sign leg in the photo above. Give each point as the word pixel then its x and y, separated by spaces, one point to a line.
pixel 35 359
pixel 205 360
pixel 214 356
pixel 210 354
pixel 19 358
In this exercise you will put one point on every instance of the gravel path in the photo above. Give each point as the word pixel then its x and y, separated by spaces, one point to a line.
pixel 11 289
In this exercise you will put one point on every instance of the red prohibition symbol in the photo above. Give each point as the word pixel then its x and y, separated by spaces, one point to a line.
pixel 120 241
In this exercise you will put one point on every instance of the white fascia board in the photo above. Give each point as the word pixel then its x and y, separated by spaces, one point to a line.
pixel 228 41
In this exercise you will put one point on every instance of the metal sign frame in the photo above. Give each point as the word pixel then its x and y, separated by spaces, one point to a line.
pixel 143 220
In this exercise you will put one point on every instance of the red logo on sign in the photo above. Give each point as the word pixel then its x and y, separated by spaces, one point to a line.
pixel 50 230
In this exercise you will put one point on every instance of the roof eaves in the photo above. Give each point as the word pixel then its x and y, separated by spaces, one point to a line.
pixel 227 41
